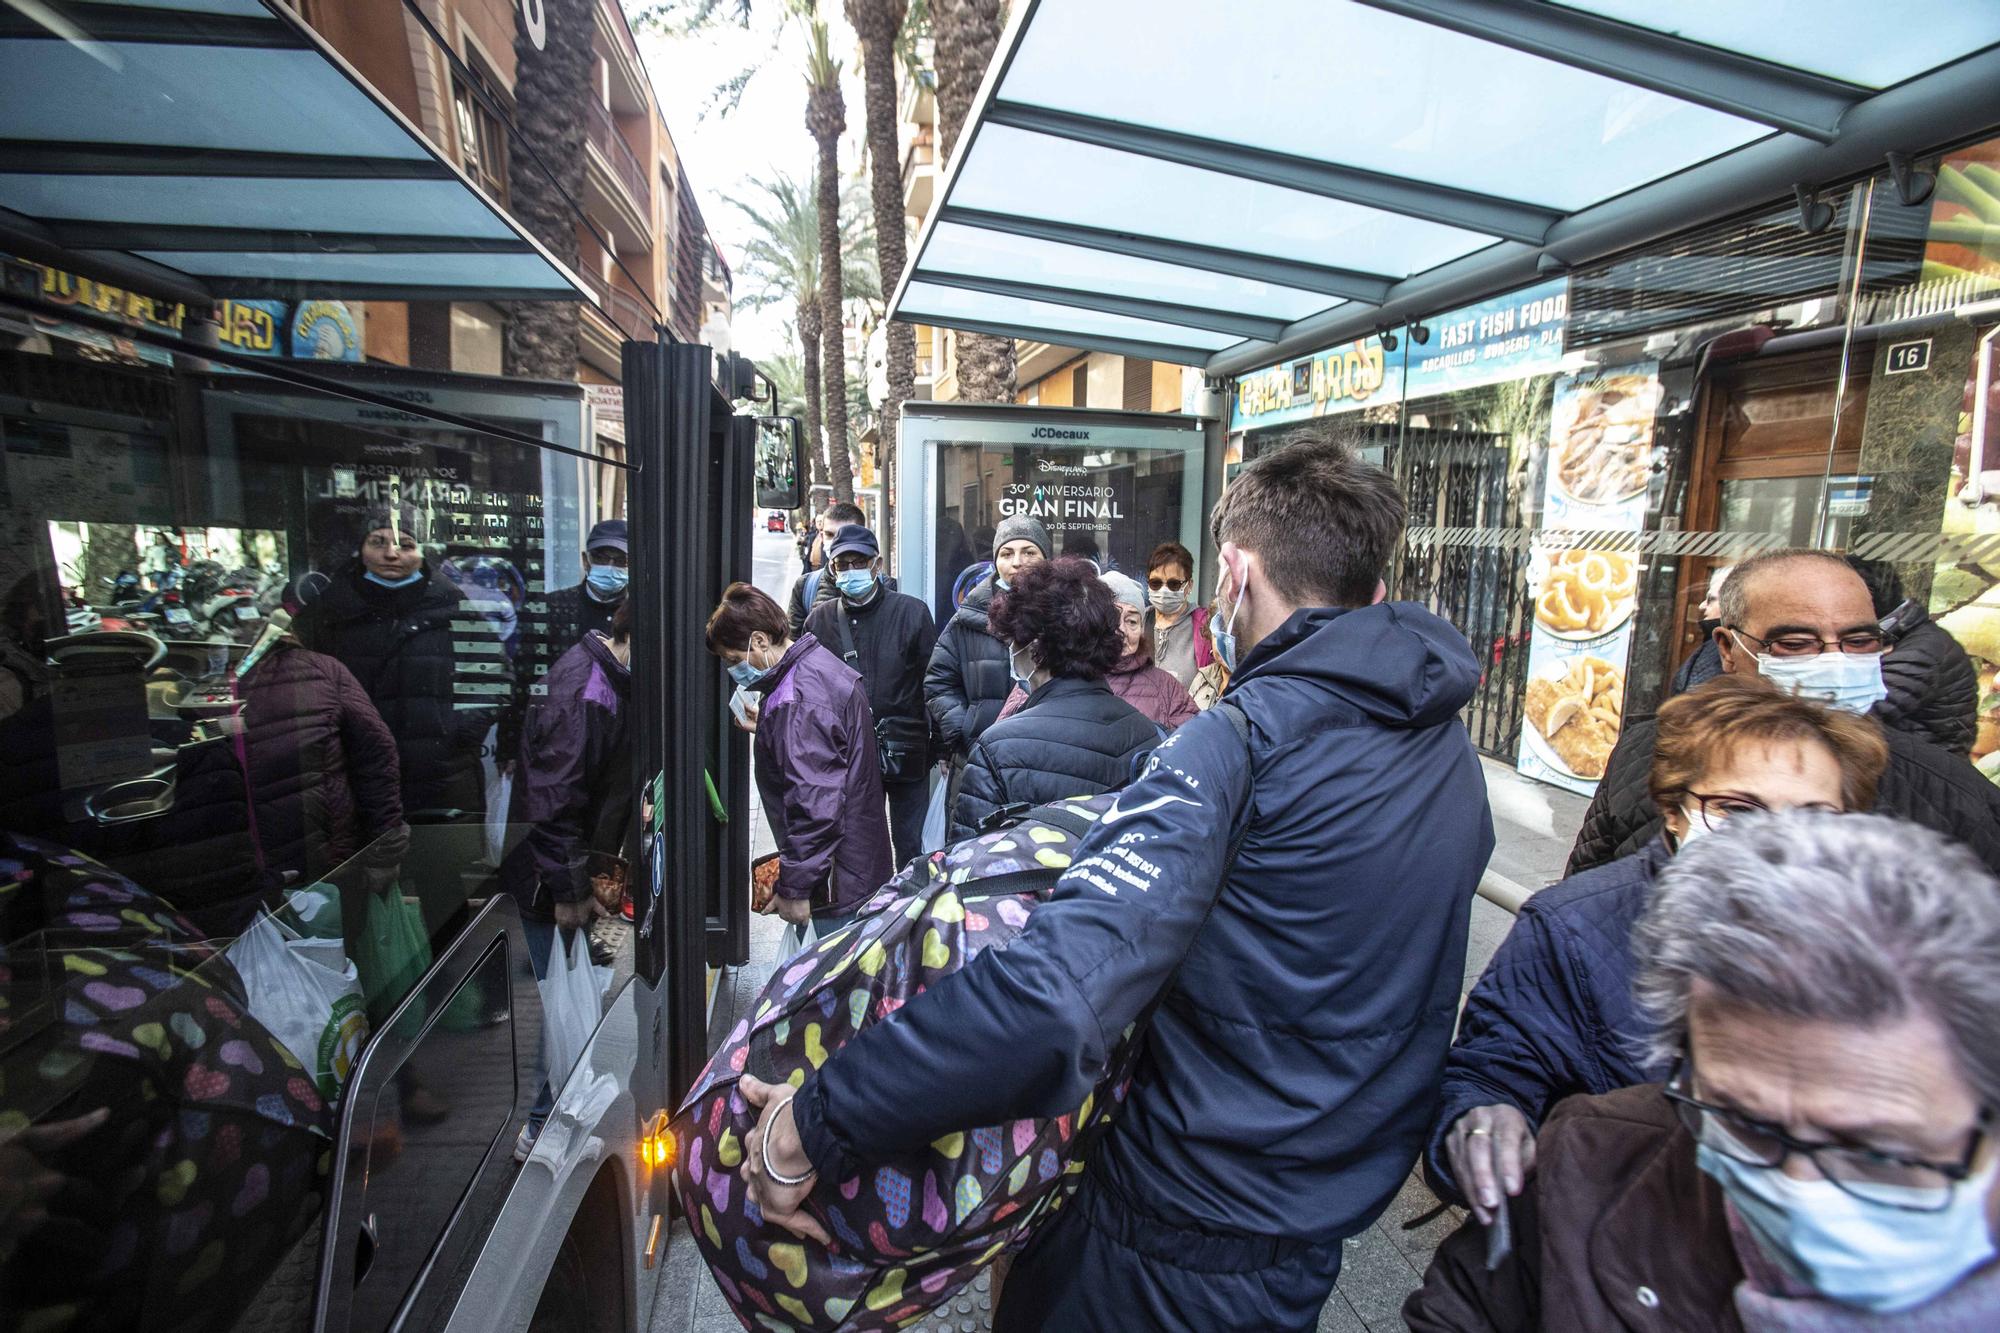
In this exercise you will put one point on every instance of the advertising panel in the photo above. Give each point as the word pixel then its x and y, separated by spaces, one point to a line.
pixel 1583 578
pixel 1108 486
pixel 1506 338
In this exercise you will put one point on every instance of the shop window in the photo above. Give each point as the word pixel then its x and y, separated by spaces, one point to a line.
pixel 482 134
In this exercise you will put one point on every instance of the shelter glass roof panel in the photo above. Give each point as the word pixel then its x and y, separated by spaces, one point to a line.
pixel 1865 42
pixel 499 272
pixel 416 208
pixel 974 251
pixel 1062 180
pixel 943 304
pixel 1345 83
pixel 186 96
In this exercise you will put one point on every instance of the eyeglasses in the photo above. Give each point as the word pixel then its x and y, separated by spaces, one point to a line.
pixel 847 562
pixel 1861 642
pixel 1171 585
pixel 1910 1184
pixel 1714 809
pixel 607 556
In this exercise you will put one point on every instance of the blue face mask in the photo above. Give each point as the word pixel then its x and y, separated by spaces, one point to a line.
pixel 1849 1250
pixel 854 584
pixel 1851 682
pixel 1001 583
pixel 375 578
pixel 608 581
pixel 1225 638
pixel 744 674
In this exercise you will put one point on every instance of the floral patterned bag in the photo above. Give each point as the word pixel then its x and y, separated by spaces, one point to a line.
pixel 910 1232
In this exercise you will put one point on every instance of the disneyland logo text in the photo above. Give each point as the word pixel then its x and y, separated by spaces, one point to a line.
pixel 1066 469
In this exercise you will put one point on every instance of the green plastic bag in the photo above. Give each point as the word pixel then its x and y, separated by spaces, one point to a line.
pixel 392 954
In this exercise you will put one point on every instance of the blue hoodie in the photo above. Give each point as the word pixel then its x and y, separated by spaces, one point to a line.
pixel 1291 1071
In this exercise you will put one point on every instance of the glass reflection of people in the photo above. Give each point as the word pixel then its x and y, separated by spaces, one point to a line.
pixel 586 607
pixel 322 764
pixel 1820 1155
pixel 389 620
pixel 30 784
pixel 954 555
pixel 573 792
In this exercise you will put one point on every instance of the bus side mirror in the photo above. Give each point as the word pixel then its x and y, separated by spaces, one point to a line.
pixel 781 463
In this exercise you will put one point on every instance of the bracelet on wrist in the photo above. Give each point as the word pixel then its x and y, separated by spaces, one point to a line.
pixel 771 1172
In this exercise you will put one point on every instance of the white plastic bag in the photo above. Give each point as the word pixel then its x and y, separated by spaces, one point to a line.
pixel 934 817
pixel 796 940
pixel 499 788
pixel 570 1006
pixel 314 1009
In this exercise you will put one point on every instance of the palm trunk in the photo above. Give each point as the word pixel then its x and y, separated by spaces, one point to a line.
pixel 826 117
pixel 550 86
pixel 967 31
pixel 877 22
pixel 809 375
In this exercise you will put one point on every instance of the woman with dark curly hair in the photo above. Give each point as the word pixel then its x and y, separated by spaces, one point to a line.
pixel 1073 737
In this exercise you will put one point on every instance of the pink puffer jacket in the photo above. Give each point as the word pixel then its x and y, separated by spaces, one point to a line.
pixel 1138 682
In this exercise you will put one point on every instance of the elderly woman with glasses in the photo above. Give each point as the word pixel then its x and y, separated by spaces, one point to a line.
pixel 1553 1015
pixel 1824 992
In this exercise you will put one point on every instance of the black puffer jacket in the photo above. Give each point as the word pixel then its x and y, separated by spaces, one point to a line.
pixel 1922 784
pixel 968 681
pixel 1933 689
pixel 1072 738
pixel 409 647
pixel 893 640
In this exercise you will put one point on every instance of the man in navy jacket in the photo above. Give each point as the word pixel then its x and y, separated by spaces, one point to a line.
pixel 1289 1074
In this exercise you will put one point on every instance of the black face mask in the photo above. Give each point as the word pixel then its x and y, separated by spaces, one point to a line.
pixel 1709 627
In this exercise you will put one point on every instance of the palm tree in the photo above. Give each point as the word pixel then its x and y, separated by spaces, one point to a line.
pixel 880 25
pixel 966 32
pixel 826 117
pixel 544 173
pixel 781 263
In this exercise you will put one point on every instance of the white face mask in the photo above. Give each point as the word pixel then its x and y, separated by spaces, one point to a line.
pixel 1026 682
pixel 1851 682
pixel 1691 812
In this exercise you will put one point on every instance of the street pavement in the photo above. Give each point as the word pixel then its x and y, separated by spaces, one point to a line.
pixel 1534 825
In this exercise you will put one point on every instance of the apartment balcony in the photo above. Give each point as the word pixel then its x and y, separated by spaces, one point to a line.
pixel 616 182
pixel 621 54
pixel 616 317
pixel 920 173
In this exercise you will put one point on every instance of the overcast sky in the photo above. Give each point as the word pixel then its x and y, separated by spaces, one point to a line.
pixel 766 134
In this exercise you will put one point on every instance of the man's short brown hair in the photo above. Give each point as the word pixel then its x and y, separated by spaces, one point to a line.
pixel 1699 730
pixel 1322 522
pixel 744 610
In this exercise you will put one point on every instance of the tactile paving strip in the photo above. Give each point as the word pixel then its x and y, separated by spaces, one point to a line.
pixel 968 1311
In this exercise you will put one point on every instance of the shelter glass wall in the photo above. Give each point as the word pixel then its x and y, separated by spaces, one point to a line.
pixel 267 658
pixel 1580 456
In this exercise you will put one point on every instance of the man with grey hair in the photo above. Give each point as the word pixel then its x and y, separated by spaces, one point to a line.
pixel 1805 621
pixel 1826 990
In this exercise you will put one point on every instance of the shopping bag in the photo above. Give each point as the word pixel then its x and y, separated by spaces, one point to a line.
pixel 499 789
pixel 393 953
pixel 935 830
pixel 796 940
pixel 570 1005
pixel 313 1009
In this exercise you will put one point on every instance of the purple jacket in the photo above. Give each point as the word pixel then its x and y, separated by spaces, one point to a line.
pixel 820 781
pixel 573 786
pixel 1150 689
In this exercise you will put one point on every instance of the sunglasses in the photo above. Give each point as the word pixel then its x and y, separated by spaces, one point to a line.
pixel 1171 585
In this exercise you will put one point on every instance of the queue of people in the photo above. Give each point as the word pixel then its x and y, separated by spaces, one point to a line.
pixel 1731 1073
